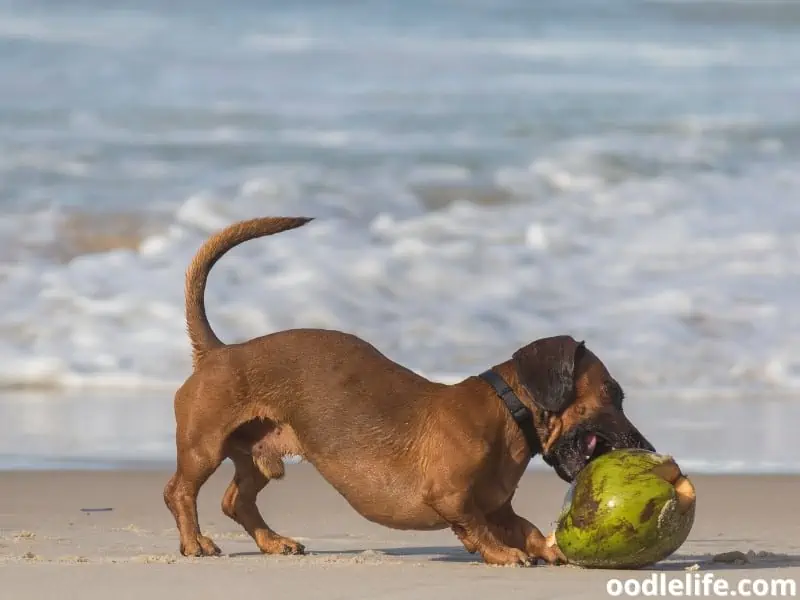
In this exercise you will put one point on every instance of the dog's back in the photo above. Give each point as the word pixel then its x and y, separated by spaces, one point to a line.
pixel 319 371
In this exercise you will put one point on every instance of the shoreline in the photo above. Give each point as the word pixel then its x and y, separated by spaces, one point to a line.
pixel 10 465
pixel 128 430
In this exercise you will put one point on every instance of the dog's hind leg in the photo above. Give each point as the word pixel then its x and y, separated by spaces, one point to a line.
pixel 198 457
pixel 180 496
pixel 239 503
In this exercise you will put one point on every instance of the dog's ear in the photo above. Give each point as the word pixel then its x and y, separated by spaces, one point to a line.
pixel 546 368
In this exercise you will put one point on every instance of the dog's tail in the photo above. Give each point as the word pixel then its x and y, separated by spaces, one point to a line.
pixel 201 335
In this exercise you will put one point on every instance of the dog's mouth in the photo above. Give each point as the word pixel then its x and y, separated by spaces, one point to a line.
pixel 580 447
pixel 594 445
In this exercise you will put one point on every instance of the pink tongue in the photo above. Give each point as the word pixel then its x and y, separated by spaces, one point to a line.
pixel 591 442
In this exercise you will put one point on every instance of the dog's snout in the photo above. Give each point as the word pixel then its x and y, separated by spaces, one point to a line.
pixel 637 440
pixel 620 433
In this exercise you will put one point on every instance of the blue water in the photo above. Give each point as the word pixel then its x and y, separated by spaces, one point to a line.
pixel 483 173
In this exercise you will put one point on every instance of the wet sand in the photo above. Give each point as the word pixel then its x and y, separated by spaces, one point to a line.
pixel 50 547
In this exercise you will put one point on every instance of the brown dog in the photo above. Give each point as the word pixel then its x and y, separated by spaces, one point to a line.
pixel 404 451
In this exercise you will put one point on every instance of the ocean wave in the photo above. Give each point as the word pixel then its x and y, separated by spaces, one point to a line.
pixel 668 289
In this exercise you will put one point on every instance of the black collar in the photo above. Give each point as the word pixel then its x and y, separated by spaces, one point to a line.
pixel 519 412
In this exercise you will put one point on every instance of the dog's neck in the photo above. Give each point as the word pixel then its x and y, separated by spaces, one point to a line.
pixel 523 414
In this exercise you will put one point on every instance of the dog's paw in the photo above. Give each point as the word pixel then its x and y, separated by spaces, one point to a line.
pixel 277 544
pixel 507 557
pixel 208 546
pixel 550 554
pixel 200 546
pixel 289 546
pixel 293 548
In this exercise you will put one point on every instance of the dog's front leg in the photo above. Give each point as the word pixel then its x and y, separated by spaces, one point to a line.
pixel 475 532
pixel 518 532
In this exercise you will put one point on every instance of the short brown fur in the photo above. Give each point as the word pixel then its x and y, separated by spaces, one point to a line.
pixel 404 451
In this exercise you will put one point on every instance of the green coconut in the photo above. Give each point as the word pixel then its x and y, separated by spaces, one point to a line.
pixel 626 509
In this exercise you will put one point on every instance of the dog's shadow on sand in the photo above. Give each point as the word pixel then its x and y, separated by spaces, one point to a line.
pixel 454 554
pixel 432 553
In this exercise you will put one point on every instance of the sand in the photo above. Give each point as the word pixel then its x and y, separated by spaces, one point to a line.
pixel 50 547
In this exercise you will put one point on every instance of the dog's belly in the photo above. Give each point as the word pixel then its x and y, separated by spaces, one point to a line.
pixel 377 489
pixel 379 495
